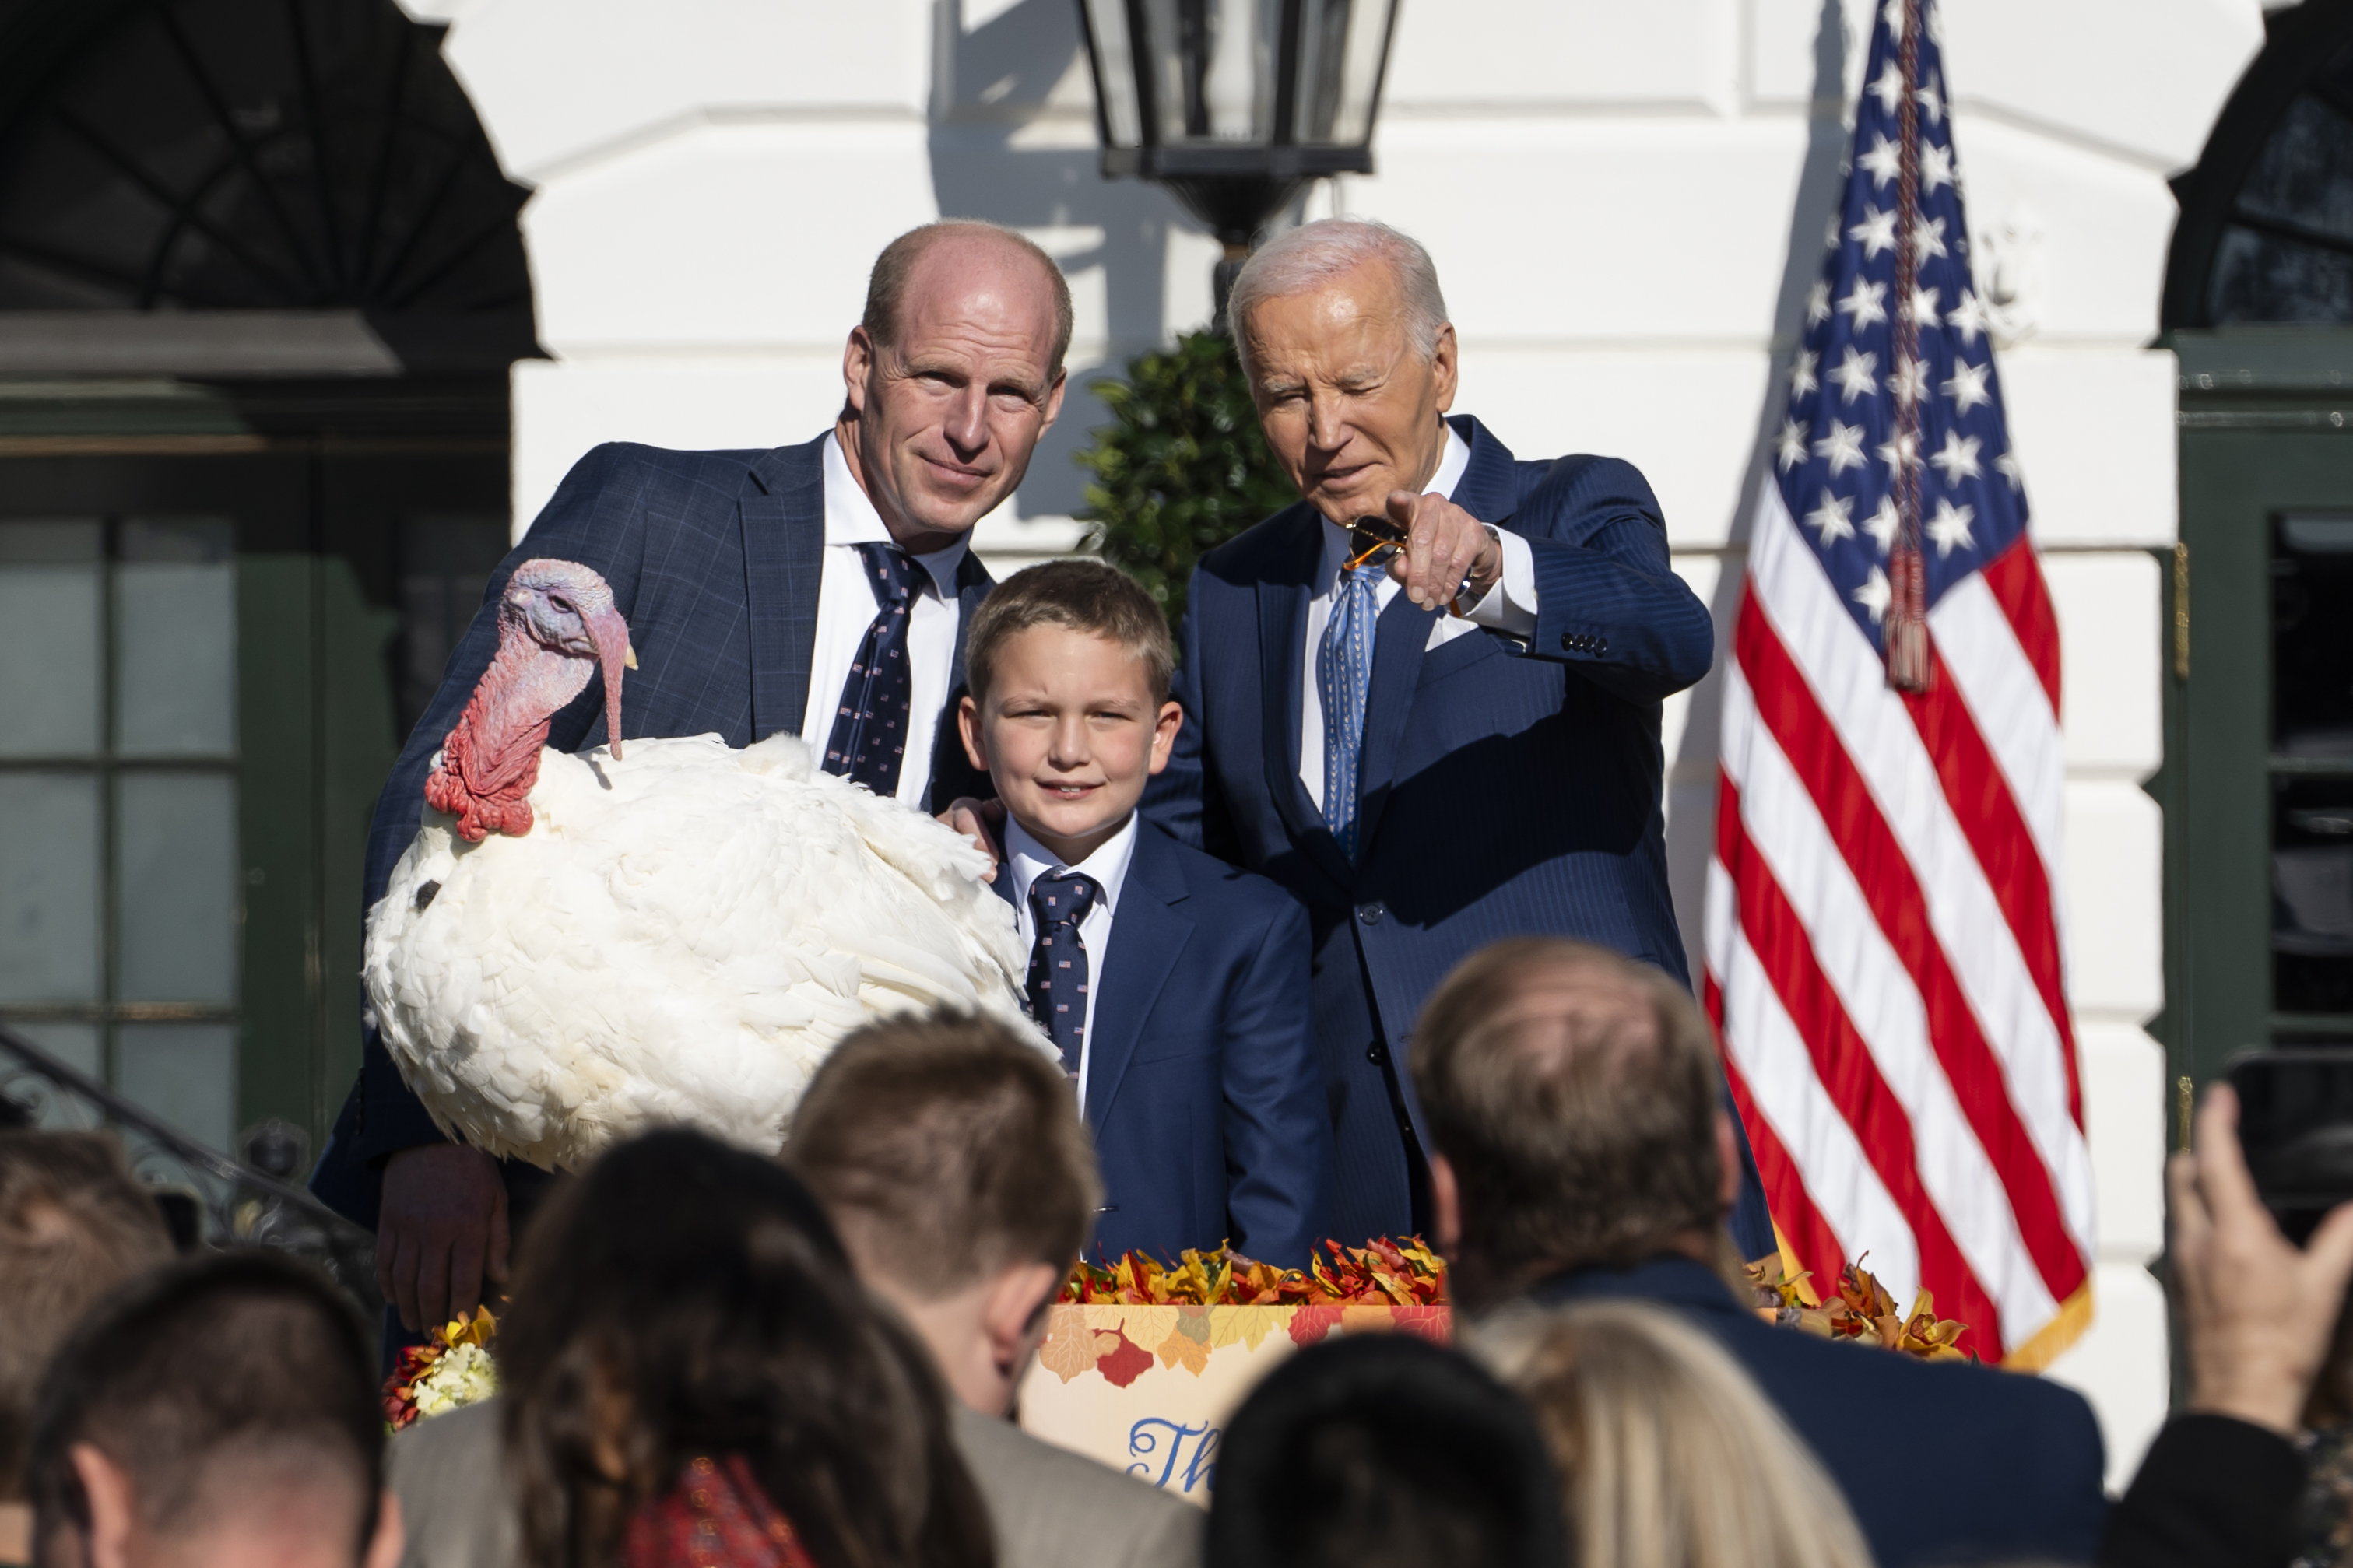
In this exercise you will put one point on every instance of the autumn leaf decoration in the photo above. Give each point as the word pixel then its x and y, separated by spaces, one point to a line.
pixel 1861 1309
pixel 1119 1317
pixel 1381 1273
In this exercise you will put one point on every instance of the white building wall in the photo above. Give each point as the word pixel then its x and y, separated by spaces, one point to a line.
pixel 1625 204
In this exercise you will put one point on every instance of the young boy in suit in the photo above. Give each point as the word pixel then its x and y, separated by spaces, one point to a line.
pixel 1176 985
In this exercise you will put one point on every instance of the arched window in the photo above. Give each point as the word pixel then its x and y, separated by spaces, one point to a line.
pixel 259 155
pixel 2266 227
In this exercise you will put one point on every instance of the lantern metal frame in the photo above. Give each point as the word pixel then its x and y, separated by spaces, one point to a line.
pixel 1232 186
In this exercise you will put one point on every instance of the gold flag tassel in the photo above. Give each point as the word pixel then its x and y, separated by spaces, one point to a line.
pixel 1907 620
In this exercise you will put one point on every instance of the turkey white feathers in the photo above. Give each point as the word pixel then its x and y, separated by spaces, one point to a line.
pixel 676 936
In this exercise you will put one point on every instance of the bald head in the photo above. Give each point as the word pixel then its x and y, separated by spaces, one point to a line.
pixel 1574 1094
pixel 952 377
pixel 948 258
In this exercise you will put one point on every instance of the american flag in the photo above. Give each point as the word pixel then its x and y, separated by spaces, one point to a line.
pixel 1884 957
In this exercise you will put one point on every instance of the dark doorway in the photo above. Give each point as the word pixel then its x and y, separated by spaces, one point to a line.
pixel 261 285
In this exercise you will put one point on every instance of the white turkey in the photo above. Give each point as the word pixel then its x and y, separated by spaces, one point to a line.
pixel 579 946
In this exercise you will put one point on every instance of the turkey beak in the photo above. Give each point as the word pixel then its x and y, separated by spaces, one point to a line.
pixel 610 634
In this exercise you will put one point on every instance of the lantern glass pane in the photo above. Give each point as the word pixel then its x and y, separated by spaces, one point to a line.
pixel 1115 71
pixel 1213 69
pixel 1341 46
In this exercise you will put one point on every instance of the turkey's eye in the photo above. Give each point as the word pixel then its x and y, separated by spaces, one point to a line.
pixel 560 602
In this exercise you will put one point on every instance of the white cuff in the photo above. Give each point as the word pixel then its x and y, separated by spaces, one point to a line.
pixel 1509 605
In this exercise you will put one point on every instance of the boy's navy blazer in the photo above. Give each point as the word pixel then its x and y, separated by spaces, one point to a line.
pixel 714 560
pixel 1506 790
pixel 2017 1460
pixel 1202 1085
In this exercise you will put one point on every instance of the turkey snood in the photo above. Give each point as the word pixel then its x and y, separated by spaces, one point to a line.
pixel 557 627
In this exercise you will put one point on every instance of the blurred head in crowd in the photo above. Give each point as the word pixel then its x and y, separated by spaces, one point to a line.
pixel 1343 338
pixel 74 1224
pixel 687 1335
pixel 1573 1099
pixel 1669 1456
pixel 953 373
pixel 949 1151
pixel 219 1411
pixel 1383 1451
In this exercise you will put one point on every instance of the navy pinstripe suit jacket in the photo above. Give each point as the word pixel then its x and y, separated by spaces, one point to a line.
pixel 714 559
pixel 1505 791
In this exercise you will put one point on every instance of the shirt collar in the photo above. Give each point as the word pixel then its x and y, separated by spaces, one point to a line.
pixel 850 519
pixel 1107 866
pixel 1451 464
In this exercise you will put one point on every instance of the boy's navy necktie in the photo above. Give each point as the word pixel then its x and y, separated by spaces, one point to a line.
pixel 1058 900
pixel 870 727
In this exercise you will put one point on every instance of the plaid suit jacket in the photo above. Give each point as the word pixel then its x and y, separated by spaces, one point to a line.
pixel 714 559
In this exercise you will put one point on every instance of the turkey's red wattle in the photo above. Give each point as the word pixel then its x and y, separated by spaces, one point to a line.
pixel 490 759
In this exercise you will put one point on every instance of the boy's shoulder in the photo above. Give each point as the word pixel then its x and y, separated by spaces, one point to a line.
pixel 1243 895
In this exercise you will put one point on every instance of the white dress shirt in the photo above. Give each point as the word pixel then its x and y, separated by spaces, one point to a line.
pixel 845 608
pixel 1510 606
pixel 1107 867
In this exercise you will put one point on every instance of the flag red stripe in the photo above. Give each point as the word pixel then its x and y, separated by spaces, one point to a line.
pixel 1801 1223
pixel 2016 578
pixel 1787 707
pixel 2000 840
pixel 1844 1064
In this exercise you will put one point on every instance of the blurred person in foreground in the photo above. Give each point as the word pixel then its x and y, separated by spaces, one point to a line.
pixel 74 1224
pixel 1384 1451
pixel 1583 1152
pixel 1669 1456
pixel 218 1412
pixel 690 1374
pixel 2221 1486
pixel 949 1153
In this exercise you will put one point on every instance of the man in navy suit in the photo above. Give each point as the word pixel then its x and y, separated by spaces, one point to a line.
pixel 1581 1151
pixel 1173 985
pixel 821 589
pixel 1451 745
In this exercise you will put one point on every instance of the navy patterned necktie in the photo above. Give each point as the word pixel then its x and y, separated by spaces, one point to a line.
pixel 1058 900
pixel 1344 677
pixel 870 728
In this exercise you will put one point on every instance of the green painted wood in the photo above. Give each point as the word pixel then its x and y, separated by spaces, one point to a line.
pixel 278 835
pixel 359 746
pixel 2216 784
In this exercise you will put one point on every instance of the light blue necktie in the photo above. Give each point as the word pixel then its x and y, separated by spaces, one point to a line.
pixel 1344 676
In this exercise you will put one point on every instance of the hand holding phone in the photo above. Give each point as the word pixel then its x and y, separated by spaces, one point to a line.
pixel 2257 1312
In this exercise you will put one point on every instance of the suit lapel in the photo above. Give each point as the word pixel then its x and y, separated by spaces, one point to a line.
pixel 1148 932
pixel 1489 489
pixel 1397 648
pixel 973 586
pixel 784 561
pixel 1282 641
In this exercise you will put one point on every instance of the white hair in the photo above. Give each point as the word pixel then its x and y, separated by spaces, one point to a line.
pixel 1315 253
